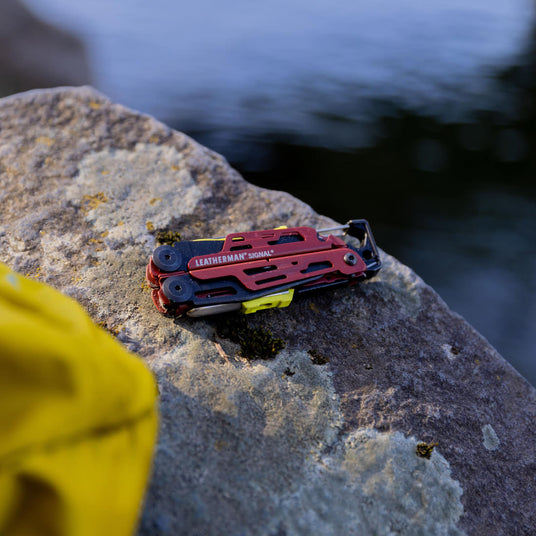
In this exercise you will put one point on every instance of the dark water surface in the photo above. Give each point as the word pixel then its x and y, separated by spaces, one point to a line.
pixel 419 117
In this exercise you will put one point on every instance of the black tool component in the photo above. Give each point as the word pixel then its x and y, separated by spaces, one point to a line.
pixel 168 258
pixel 367 250
pixel 175 258
pixel 183 288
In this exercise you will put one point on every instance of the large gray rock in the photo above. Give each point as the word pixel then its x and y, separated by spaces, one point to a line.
pixel 320 439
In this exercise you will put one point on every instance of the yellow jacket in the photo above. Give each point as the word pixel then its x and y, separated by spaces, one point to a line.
pixel 77 419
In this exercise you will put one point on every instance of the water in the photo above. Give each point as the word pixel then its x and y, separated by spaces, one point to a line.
pixel 397 110
pixel 246 65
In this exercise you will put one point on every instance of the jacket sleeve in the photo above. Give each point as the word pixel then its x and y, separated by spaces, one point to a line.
pixel 78 418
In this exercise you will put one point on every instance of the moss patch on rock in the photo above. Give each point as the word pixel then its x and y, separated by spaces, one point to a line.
pixel 255 342
pixel 167 237
pixel 317 358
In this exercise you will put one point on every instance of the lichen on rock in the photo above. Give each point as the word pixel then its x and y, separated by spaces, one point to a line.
pixel 491 441
pixel 372 483
pixel 117 189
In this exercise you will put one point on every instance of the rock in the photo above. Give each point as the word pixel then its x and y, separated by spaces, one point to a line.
pixel 36 54
pixel 320 439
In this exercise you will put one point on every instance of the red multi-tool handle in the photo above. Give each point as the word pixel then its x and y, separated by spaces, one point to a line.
pixel 277 271
pixel 255 245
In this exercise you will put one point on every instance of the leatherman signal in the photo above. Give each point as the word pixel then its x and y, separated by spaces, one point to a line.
pixel 259 269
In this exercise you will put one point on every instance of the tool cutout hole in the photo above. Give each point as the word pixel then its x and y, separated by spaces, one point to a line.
pixel 317 266
pixel 260 269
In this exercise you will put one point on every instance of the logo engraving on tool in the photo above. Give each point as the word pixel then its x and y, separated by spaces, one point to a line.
pixel 220 259
pixel 260 254
pixel 232 257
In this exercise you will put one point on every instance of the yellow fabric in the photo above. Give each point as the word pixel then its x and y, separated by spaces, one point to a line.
pixel 77 418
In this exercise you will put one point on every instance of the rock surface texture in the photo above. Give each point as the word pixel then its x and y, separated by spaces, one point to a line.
pixel 320 439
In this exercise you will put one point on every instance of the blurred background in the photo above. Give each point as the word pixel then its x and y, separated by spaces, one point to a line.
pixel 417 116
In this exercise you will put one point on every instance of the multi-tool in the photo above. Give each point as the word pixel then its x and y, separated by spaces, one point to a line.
pixel 258 270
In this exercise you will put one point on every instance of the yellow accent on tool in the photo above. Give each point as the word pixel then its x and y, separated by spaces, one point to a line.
pixel 77 418
pixel 279 299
